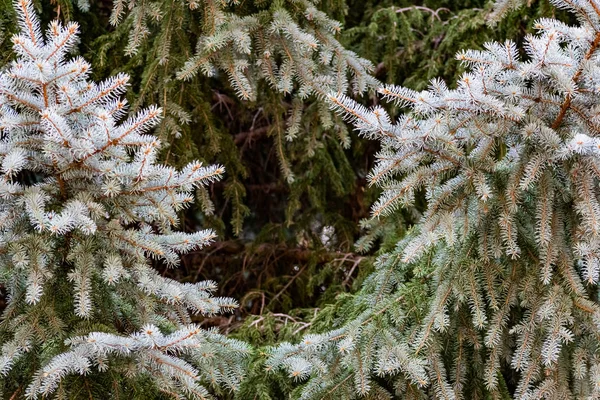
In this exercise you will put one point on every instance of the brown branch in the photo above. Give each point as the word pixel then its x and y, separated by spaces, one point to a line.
pixel 287 285
pixel 567 103
pixel 434 13
pixel 349 276
pixel 15 394
pixel 253 134
pixel 299 254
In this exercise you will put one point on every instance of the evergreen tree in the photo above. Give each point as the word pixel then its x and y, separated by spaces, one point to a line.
pixel 296 234
pixel 495 291
pixel 286 50
pixel 270 230
pixel 242 84
pixel 86 210
pixel 412 42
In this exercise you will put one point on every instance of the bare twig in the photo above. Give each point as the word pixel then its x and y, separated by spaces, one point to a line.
pixel 252 134
pixel 356 263
pixel 287 285
pixel 434 13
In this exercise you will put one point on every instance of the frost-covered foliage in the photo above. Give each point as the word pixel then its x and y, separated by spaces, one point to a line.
pixel 507 254
pixel 84 209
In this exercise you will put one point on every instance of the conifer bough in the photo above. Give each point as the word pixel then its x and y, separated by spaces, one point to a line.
pixel 280 58
pixel 83 208
pixel 495 291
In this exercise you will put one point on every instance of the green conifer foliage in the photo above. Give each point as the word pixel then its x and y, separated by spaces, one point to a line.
pixel 413 42
pixel 85 211
pixel 273 56
pixel 235 81
pixel 494 293
pixel 242 84
pixel 280 224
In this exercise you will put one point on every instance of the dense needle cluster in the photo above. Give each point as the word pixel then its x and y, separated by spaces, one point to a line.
pixel 493 293
pixel 289 50
pixel 85 208
pixel 508 250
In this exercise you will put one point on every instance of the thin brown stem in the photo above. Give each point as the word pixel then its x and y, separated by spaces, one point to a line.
pixel 567 103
